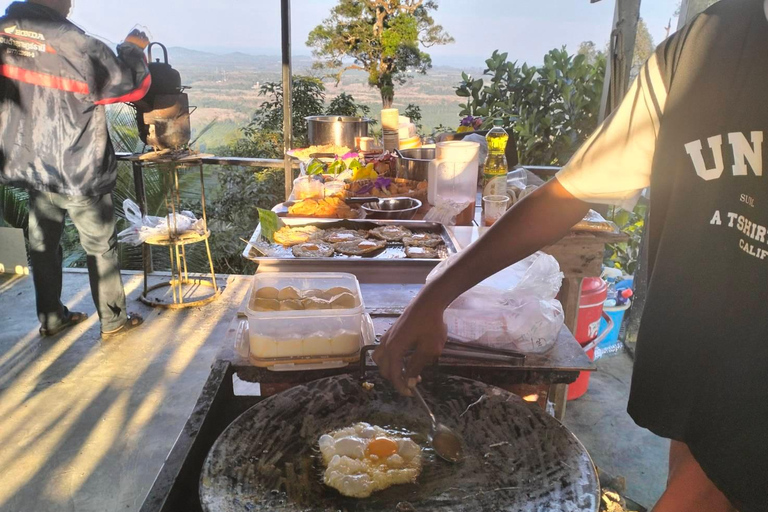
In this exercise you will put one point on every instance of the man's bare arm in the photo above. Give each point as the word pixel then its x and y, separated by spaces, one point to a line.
pixel 537 221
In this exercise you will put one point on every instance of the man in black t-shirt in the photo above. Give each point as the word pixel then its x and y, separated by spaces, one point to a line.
pixel 692 127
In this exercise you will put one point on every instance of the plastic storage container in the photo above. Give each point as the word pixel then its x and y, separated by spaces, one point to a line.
pixel 307 336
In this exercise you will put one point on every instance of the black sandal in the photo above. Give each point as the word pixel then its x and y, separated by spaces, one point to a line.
pixel 132 322
pixel 72 319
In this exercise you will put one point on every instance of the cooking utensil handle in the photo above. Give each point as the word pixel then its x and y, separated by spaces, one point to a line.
pixel 608 328
pixel 161 45
pixel 364 366
pixel 360 200
pixel 424 403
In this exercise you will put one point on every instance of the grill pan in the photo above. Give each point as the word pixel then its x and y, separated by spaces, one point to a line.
pixel 517 457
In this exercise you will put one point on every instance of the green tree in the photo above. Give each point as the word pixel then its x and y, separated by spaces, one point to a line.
pixel 552 108
pixel 381 37
pixel 589 50
pixel 308 100
pixel 345 105
pixel 644 46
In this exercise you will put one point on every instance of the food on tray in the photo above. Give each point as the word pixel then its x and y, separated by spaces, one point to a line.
pixel 387 187
pixel 335 236
pixel 330 207
pixel 391 233
pixel 291 305
pixel 288 236
pixel 365 173
pixel 363 459
pixel 289 292
pixel 343 301
pixel 336 290
pixel 267 293
pixel 360 247
pixel 312 250
pixel 421 252
pixel 306 153
pixel 423 240
pixel 260 304
pixel 293 299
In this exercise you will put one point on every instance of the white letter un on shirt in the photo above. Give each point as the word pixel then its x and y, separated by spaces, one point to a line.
pixel 614 165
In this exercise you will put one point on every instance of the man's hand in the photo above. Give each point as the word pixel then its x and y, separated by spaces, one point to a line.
pixel 138 38
pixel 421 328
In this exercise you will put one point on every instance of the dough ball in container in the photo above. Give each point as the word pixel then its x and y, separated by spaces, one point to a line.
pixel 289 292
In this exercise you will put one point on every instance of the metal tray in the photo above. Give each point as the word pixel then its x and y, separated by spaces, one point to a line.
pixel 393 254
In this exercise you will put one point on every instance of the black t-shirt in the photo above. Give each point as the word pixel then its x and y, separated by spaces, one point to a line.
pixel 701 366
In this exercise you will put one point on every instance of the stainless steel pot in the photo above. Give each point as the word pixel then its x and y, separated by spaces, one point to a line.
pixel 338 130
pixel 413 164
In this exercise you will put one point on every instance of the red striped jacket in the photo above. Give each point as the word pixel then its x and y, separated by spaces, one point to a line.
pixel 54 83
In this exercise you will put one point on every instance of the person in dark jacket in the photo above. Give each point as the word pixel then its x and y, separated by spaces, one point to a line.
pixel 54 84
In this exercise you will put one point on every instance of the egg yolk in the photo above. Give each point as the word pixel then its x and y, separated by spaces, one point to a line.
pixel 382 447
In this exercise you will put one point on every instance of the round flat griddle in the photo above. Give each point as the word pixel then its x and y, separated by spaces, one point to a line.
pixel 517 457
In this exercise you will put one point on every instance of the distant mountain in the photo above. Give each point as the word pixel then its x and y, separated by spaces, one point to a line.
pixel 184 57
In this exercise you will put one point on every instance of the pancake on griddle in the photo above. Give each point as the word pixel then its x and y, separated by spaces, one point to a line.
pixel 288 236
pixel 421 252
pixel 360 247
pixel 336 236
pixel 312 250
pixel 423 240
pixel 390 233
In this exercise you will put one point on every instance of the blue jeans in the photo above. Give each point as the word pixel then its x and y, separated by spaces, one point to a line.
pixel 94 218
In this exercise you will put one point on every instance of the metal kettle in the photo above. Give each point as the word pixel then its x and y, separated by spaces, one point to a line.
pixel 165 79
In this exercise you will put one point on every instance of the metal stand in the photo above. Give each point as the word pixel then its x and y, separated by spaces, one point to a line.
pixel 176 243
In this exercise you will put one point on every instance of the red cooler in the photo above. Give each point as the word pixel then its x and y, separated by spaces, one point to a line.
pixel 594 291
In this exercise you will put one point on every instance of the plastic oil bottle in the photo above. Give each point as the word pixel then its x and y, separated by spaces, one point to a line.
pixel 495 169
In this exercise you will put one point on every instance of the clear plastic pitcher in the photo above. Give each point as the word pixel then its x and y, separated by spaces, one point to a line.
pixel 453 173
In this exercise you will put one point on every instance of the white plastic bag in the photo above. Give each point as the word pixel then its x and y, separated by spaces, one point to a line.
pixel 145 227
pixel 514 309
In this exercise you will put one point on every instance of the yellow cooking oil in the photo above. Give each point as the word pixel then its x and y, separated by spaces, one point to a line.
pixel 495 169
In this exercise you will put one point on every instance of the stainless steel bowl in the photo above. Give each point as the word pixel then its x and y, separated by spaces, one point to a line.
pixel 413 164
pixel 338 130
pixel 393 208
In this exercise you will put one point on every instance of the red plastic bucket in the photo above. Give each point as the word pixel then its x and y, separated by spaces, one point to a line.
pixel 594 291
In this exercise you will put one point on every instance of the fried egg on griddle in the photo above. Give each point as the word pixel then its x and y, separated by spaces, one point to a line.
pixel 360 247
pixel 363 459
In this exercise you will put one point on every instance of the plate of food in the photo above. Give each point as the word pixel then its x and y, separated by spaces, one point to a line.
pixel 342 443
pixel 298 241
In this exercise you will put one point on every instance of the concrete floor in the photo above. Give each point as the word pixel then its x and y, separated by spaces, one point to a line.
pixel 85 425
pixel 618 446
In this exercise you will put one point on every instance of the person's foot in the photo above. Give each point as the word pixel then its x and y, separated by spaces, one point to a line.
pixel 132 322
pixel 73 318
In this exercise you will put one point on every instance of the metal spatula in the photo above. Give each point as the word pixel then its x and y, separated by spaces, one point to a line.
pixel 446 443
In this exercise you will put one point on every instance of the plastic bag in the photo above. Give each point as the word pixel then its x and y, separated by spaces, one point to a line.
pixel 514 309
pixel 446 211
pixel 144 227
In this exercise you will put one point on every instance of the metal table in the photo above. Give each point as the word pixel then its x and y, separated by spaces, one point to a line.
pixel 561 365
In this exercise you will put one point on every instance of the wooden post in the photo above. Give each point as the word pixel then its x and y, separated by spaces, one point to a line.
pixel 285 11
pixel 622 50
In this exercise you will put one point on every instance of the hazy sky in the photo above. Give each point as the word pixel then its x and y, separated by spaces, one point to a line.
pixel 525 28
